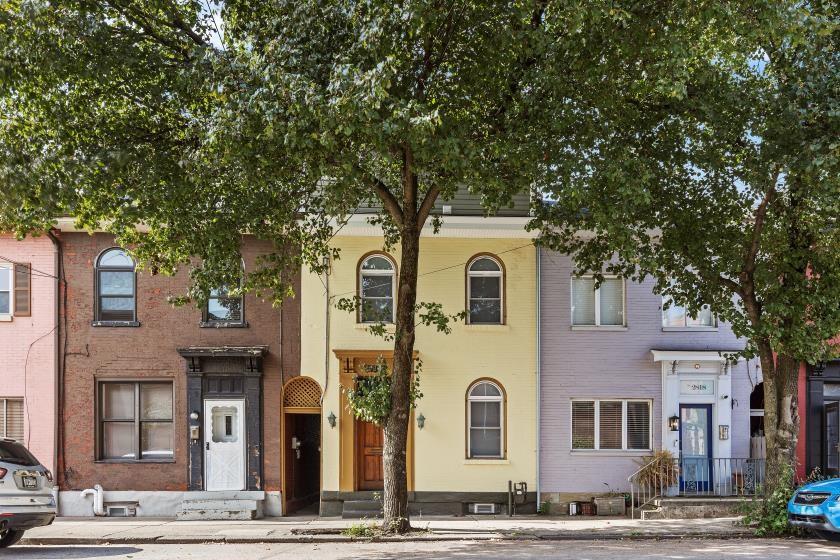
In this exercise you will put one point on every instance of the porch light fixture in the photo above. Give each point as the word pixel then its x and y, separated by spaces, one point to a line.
pixel 331 419
pixel 723 431
pixel 194 415
pixel 421 421
pixel 674 423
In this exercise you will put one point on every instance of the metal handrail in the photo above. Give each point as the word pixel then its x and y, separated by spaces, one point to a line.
pixel 695 476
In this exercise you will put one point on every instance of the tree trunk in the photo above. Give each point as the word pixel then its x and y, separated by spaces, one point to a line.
pixel 395 499
pixel 781 417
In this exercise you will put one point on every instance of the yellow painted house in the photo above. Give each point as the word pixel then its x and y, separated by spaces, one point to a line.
pixel 474 430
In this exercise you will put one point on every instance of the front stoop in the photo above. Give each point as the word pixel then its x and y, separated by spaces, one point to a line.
pixel 695 508
pixel 225 505
pixel 361 509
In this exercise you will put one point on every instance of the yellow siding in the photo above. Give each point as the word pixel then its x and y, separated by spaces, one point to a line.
pixel 450 362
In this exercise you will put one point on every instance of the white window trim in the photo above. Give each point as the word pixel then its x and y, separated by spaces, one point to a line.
pixel 685 326
pixel 11 271
pixel 392 273
pixel 597 324
pixel 501 400
pixel 486 274
pixel 597 434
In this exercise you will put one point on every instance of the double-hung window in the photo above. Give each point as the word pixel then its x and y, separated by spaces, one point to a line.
pixel 135 420
pixel 224 309
pixel 611 424
pixel 377 280
pixel 598 307
pixel 485 421
pixel 116 293
pixel 676 316
pixel 484 289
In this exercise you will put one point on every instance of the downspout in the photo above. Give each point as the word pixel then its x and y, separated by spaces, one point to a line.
pixel 58 374
pixel 326 330
pixel 539 369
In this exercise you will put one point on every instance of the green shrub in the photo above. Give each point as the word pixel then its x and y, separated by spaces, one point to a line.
pixel 770 515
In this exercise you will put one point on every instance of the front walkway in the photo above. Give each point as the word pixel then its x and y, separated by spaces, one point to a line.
pixel 68 530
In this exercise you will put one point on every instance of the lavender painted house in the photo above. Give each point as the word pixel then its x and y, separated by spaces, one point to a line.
pixel 614 370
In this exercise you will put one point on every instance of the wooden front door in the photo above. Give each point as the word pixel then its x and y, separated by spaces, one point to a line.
pixel 369 441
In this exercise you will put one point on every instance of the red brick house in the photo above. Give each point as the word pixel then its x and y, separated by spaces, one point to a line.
pixel 164 404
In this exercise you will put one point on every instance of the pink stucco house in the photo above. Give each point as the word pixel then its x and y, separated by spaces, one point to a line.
pixel 29 343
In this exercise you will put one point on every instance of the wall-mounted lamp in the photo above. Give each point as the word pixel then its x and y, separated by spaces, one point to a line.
pixel 194 415
pixel 674 423
pixel 723 431
pixel 421 421
pixel 331 419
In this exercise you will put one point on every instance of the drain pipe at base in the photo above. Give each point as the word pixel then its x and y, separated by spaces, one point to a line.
pixel 98 499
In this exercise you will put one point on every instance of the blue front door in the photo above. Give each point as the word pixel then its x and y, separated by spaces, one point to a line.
pixel 695 448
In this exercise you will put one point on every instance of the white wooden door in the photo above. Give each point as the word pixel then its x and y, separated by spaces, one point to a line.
pixel 224 445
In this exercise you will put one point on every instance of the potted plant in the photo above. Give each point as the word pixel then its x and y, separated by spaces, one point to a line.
pixel 659 471
pixel 610 503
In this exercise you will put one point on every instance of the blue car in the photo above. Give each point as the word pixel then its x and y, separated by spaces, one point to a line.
pixel 816 506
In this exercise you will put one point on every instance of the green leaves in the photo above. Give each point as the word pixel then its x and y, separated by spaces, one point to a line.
pixel 709 167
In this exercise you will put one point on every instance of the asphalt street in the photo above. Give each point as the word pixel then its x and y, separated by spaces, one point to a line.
pixel 688 549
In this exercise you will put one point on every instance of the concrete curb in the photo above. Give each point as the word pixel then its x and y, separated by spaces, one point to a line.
pixel 566 536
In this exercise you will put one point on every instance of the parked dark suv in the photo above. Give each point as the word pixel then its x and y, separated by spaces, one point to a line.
pixel 26 498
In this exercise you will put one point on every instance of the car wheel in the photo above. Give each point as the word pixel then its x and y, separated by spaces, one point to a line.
pixel 828 535
pixel 10 537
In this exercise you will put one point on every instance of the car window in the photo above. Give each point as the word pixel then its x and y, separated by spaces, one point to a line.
pixel 11 452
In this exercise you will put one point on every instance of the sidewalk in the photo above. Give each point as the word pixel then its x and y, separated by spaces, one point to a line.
pixel 87 531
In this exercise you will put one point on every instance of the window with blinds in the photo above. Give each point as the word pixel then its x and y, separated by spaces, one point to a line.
pixel 11 418
pixel 620 425
pixel 601 306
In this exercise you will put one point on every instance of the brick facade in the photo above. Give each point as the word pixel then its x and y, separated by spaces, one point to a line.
pixel 149 351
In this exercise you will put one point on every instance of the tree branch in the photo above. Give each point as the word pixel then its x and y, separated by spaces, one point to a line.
pixel 389 201
pixel 751 251
pixel 427 205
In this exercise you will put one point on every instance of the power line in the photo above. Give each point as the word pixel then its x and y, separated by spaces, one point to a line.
pixel 459 265
pixel 32 269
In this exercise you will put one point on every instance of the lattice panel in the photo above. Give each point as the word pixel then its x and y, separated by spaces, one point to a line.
pixel 302 392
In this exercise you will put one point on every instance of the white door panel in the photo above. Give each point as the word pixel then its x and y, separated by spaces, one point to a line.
pixel 224 445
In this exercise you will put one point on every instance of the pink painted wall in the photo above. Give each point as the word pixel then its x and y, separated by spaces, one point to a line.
pixel 33 378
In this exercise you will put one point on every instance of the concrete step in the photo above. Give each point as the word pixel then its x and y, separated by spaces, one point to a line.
pixel 233 505
pixel 216 514
pixel 361 509
pixel 652 514
pixel 189 505
pixel 225 495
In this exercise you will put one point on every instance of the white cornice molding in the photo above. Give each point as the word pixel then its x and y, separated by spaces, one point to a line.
pixel 693 355
pixel 452 226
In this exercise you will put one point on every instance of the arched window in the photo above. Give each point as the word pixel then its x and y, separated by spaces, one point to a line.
pixel 485 421
pixel 115 286
pixel 376 289
pixel 484 291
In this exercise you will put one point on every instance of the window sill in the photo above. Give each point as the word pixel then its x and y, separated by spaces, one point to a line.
pixel 612 452
pixel 389 327
pixel 690 329
pixel 115 323
pixel 486 461
pixel 614 328
pixel 5 318
pixel 223 324
pixel 486 327
pixel 133 462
